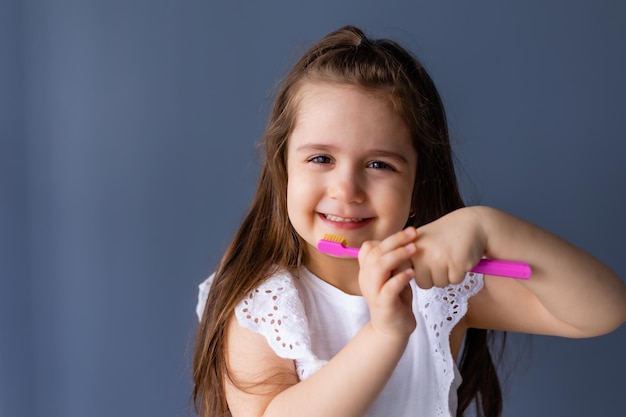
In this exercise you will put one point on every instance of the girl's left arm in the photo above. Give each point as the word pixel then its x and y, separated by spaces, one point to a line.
pixel 570 294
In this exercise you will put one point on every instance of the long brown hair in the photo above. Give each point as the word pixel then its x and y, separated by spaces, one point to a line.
pixel 266 240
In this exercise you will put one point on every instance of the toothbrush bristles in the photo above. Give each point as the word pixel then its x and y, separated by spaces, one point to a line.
pixel 336 238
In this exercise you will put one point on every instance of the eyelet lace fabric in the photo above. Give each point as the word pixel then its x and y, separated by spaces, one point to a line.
pixel 275 310
pixel 442 308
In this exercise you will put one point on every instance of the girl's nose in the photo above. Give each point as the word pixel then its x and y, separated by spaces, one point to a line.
pixel 346 187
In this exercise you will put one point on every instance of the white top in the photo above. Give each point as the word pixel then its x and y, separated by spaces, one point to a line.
pixel 308 320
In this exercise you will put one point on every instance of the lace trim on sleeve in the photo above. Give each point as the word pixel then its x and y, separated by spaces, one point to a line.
pixel 275 311
pixel 442 308
pixel 203 294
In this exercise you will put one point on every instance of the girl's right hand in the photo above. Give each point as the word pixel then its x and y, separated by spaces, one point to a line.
pixel 384 279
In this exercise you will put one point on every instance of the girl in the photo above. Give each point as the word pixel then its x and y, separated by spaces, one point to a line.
pixel 357 146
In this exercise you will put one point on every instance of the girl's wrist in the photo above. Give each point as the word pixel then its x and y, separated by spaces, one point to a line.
pixel 481 218
pixel 498 230
pixel 388 338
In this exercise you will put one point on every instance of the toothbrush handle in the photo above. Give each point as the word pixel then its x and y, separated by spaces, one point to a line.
pixel 351 252
pixel 508 269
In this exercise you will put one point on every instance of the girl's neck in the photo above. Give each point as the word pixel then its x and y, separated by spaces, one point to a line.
pixel 341 273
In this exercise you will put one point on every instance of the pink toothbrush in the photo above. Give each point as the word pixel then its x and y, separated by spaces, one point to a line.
pixel 337 246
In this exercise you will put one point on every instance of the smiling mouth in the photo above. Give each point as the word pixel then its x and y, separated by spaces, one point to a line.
pixel 338 219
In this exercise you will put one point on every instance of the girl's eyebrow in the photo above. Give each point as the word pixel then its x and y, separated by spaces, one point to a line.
pixel 316 147
pixel 319 147
pixel 390 154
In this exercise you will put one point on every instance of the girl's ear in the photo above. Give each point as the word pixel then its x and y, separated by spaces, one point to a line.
pixel 410 221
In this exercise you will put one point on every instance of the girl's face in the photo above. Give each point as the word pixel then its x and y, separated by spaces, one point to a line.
pixel 350 165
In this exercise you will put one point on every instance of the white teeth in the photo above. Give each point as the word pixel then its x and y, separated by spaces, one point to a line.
pixel 341 219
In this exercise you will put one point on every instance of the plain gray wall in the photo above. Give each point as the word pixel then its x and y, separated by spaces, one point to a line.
pixel 127 160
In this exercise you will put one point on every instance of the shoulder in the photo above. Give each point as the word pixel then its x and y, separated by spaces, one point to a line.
pixel 279 283
pixel 275 311
pixel 254 364
pixel 272 305
pixel 203 294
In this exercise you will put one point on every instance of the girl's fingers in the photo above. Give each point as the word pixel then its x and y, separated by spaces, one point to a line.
pixel 396 285
pixel 395 241
pixel 394 253
pixel 438 274
pixel 423 276
pixel 387 291
pixel 440 277
pixel 383 265
pixel 393 308
pixel 402 238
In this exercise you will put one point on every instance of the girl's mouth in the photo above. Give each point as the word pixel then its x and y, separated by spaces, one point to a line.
pixel 346 223
pixel 339 219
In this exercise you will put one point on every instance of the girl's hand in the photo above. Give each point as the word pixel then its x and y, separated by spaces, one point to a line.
pixel 384 278
pixel 448 248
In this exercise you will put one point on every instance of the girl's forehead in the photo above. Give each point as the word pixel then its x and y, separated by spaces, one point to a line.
pixel 343 113
pixel 316 89
pixel 315 100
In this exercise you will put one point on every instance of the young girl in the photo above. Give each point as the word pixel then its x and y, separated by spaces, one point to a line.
pixel 357 146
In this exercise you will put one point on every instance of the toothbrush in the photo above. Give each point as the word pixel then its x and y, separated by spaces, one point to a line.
pixel 337 246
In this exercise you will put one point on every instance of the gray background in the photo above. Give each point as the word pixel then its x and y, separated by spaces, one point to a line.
pixel 127 160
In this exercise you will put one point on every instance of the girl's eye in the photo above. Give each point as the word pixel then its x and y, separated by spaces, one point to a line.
pixel 380 165
pixel 320 159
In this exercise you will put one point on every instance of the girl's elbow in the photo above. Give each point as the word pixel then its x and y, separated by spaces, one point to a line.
pixel 608 324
